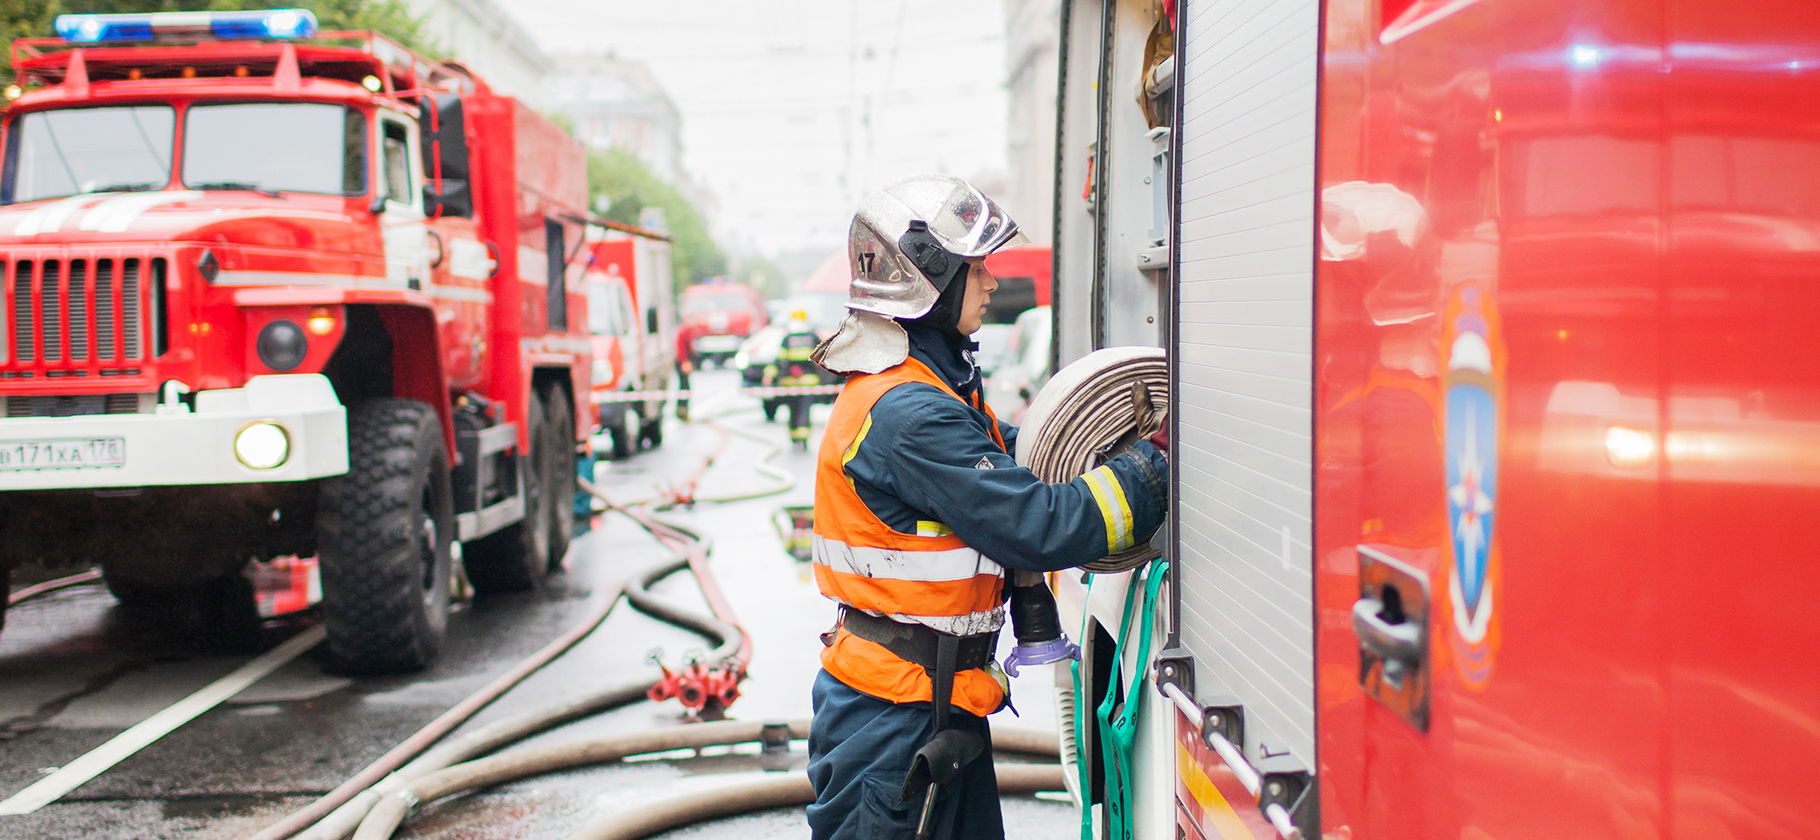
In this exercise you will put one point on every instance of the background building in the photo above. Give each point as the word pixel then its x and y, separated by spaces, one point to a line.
pixel 489 41
pixel 1032 36
pixel 615 103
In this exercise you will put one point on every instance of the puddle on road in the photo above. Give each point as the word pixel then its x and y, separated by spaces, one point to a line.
pixel 216 806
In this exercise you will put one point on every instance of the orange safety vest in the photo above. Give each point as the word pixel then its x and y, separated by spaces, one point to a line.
pixel 929 578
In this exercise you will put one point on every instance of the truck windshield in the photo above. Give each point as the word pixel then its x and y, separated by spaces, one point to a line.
pixel 290 146
pixel 715 303
pixel 604 316
pixel 78 150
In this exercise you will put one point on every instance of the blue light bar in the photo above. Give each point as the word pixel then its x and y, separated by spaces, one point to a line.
pixel 157 26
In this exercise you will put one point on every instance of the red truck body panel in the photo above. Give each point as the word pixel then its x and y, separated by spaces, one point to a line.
pixel 1623 232
pixel 489 334
pixel 1032 261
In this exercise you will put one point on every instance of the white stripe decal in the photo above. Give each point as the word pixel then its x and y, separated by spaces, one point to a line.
pixel 117 214
pixel 439 290
pixel 38 220
pixel 533 266
pixel 952 564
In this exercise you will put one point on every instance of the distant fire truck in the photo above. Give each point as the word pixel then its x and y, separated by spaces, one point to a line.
pixel 632 314
pixel 269 294
pixel 1496 416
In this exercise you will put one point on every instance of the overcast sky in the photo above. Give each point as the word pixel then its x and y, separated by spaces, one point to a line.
pixel 793 110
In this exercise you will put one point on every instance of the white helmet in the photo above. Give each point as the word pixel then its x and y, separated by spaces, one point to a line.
pixel 910 238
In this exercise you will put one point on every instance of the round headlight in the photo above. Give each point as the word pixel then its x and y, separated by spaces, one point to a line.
pixel 262 446
pixel 282 345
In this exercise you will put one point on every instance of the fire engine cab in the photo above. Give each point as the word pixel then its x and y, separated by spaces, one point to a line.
pixel 270 292
pixel 1495 412
pixel 632 314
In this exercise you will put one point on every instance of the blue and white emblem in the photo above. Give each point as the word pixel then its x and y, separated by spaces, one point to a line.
pixel 1472 436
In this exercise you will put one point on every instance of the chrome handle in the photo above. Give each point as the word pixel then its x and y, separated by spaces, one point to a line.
pixel 1401 641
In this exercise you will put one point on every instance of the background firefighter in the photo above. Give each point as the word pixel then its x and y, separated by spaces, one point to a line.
pixel 794 368
pixel 920 509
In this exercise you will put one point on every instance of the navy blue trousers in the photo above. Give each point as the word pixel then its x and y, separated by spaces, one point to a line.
pixel 860 747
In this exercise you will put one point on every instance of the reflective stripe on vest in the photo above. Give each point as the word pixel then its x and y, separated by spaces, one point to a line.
pixel 930 577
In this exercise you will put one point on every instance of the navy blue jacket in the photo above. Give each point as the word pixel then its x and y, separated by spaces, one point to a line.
pixel 930 458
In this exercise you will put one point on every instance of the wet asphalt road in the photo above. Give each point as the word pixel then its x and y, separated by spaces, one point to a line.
pixel 76 669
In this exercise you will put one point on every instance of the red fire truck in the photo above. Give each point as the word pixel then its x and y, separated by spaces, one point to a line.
pixel 632 314
pixel 271 295
pixel 1496 415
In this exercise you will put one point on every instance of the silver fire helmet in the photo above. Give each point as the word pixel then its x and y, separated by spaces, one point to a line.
pixel 964 222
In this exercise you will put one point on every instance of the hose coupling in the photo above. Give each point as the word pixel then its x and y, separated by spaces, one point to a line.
pixel 1054 650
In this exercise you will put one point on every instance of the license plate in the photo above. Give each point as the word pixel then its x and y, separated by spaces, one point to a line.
pixel 65 454
pixel 717 343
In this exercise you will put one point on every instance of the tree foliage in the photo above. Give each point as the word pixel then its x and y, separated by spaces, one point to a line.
pixel 630 186
pixel 33 18
pixel 764 274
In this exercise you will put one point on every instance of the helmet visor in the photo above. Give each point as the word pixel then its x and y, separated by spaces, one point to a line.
pixel 971 225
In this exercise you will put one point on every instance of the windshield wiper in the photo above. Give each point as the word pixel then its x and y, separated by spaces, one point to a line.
pixel 126 188
pixel 238 185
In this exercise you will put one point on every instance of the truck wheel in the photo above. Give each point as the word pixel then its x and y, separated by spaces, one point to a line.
pixel 6 587
pixel 627 432
pixel 384 535
pixel 560 484
pixel 653 429
pixel 516 557
pixel 222 608
pixel 131 593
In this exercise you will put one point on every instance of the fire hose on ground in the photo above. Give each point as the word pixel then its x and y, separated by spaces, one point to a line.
pixel 382 796
pixel 337 813
pixel 27 593
pixel 390 812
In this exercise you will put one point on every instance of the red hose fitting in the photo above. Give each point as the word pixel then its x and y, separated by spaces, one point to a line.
pixel 667 686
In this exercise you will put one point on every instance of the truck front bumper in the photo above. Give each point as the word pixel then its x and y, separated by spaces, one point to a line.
pixel 176 446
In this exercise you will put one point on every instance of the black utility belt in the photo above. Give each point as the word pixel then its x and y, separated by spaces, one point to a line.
pixel 916 643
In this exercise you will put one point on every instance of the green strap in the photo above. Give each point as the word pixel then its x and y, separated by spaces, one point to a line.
pixel 1117 722
pixel 1084 778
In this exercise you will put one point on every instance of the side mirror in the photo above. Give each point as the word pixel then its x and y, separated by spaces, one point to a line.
pixel 454 200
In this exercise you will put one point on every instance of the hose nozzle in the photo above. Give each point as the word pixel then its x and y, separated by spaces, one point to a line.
pixel 1036 625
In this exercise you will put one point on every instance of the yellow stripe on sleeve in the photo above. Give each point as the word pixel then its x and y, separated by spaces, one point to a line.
pixel 853 448
pixel 1126 527
pixel 926 528
pixel 1095 479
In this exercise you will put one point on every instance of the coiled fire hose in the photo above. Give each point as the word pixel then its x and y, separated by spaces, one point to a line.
pixel 337 814
pixel 1086 411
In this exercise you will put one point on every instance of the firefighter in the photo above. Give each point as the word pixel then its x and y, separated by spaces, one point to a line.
pixel 919 511
pixel 793 368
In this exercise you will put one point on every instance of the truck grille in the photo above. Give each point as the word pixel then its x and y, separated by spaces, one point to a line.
pixel 77 315
pixel 71 406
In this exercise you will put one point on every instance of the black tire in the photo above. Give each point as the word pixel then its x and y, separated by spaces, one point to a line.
pixel 224 608
pixel 384 537
pixel 516 558
pixel 771 407
pixel 652 432
pixel 560 473
pixel 6 589
pixel 132 593
pixel 627 432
